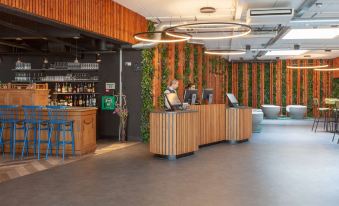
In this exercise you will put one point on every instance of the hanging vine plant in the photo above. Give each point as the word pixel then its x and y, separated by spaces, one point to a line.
pixel 267 83
pixel 146 89
pixel 204 84
pixel 283 83
pixel 240 83
pixel 187 70
pixel 195 67
pixel 164 73
pixel 250 84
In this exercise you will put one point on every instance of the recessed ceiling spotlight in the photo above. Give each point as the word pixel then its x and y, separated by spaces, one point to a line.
pixel 328 50
pixel 319 4
pixel 307 56
pixel 18 39
pixel 296 46
pixel 207 10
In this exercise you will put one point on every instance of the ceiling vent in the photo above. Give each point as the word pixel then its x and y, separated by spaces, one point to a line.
pixel 271 16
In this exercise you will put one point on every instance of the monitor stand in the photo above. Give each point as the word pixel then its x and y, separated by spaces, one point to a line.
pixel 194 98
pixel 210 99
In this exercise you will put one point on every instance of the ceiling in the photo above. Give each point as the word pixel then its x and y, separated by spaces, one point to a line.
pixel 265 36
pixel 25 34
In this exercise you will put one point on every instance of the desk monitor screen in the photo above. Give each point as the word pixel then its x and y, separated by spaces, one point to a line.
pixel 207 94
pixel 173 101
pixel 190 96
pixel 232 100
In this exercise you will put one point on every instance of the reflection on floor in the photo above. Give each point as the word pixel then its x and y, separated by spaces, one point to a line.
pixel 10 169
pixel 283 165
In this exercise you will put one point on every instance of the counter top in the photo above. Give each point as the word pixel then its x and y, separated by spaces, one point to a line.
pixel 174 112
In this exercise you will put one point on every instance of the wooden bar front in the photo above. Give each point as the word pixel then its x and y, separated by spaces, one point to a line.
pixel 174 133
pixel 84 131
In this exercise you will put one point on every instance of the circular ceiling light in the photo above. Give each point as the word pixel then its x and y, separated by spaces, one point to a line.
pixel 308 67
pixel 222 52
pixel 210 30
pixel 207 10
pixel 149 37
pixel 327 69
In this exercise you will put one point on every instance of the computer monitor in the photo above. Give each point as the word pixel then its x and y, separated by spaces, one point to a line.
pixel 207 94
pixel 233 102
pixel 173 101
pixel 190 96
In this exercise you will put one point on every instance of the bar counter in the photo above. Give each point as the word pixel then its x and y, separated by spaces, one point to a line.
pixel 182 132
pixel 84 131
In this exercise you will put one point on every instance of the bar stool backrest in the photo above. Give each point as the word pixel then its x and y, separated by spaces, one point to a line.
pixel 57 113
pixel 32 113
pixel 9 113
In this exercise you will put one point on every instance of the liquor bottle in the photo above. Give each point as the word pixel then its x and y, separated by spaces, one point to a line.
pixel 80 101
pixel 85 88
pixel 94 101
pixel 89 88
pixel 78 88
pixel 59 88
pixel 56 87
pixel 75 103
pixel 93 88
pixel 70 89
pixel 87 101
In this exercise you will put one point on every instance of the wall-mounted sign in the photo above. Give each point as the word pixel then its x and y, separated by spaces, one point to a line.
pixel 110 86
pixel 108 102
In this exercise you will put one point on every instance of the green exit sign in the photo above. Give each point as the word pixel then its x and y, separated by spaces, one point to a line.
pixel 108 102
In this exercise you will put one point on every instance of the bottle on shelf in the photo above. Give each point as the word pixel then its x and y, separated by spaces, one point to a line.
pixel 70 89
pixel 59 87
pixel 78 89
pixel 93 88
pixel 94 101
pixel 75 101
pixel 80 101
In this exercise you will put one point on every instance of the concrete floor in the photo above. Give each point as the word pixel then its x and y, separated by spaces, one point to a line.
pixel 284 165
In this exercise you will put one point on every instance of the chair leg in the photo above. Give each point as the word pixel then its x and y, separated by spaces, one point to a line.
pixel 316 126
pixel 25 141
pixel 34 141
pixel 63 142
pixel 57 136
pixel 315 118
pixel 49 144
pixel 14 140
pixel 73 140
pixel 39 141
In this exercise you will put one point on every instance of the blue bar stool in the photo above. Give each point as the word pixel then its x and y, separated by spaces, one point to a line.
pixel 2 142
pixel 9 119
pixel 58 120
pixel 33 120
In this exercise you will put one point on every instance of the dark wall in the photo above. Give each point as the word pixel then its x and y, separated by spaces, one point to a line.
pixel 109 72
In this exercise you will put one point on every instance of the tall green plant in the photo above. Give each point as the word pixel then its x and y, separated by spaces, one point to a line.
pixel 176 63
pixel 195 67
pixel 187 70
pixel 164 73
pixel 146 89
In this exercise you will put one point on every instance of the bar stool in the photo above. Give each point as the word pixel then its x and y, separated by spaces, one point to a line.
pixel 33 120
pixel 322 112
pixel 9 120
pixel 335 127
pixel 58 120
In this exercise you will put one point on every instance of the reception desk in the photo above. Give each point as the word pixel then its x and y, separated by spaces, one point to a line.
pixel 173 134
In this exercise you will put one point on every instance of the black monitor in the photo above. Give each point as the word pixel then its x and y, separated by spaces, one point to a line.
pixel 207 94
pixel 190 96
pixel 173 101
pixel 233 102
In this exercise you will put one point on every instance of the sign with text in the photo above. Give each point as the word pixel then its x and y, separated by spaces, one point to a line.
pixel 108 102
pixel 110 86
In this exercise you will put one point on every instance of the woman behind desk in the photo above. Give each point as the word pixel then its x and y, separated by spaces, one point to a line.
pixel 171 89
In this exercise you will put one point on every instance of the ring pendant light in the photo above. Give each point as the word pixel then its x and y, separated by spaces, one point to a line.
pixel 194 28
pixel 225 52
pixel 327 69
pixel 308 67
pixel 179 37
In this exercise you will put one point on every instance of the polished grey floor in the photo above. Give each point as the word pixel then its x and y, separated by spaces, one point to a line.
pixel 284 165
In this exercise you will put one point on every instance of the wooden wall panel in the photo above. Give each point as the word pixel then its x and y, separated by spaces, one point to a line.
pixel 104 17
